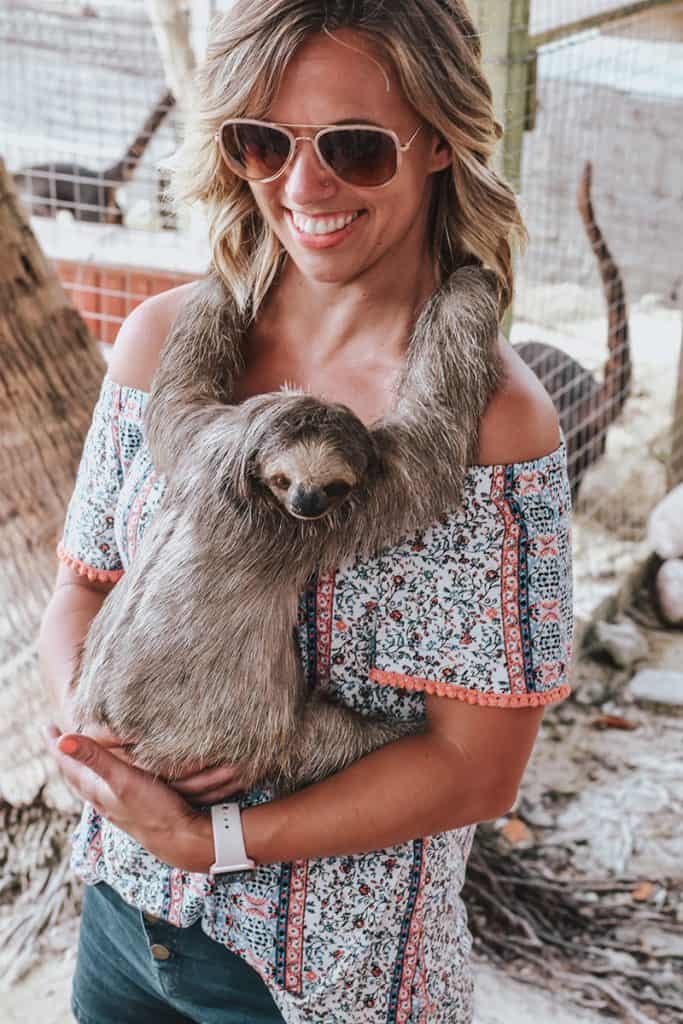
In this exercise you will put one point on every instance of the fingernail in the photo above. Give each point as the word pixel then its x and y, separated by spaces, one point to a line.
pixel 69 746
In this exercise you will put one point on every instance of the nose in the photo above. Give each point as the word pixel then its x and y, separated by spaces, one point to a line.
pixel 309 503
pixel 306 178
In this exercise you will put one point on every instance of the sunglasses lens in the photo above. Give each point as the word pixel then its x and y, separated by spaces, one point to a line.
pixel 361 157
pixel 254 151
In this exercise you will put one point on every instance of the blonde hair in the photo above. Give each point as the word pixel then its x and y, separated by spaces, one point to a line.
pixel 435 51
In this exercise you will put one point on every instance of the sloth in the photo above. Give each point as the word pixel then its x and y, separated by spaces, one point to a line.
pixel 192 659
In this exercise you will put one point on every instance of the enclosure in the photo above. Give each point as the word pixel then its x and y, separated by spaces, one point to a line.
pixel 92 107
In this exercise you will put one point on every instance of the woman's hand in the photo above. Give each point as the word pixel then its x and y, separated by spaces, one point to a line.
pixel 99 733
pixel 136 802
pixel 211 785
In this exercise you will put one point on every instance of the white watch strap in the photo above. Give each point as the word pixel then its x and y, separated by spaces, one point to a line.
pixel 228 840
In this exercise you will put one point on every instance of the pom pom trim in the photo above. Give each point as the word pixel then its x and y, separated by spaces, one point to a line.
pixel 102 575
pixel 462 693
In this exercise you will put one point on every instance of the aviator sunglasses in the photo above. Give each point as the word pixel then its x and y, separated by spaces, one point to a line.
pixel 356 154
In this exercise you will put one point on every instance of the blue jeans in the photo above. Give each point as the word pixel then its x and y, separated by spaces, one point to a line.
pixel 136 970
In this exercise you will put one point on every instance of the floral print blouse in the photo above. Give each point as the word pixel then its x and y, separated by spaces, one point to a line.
pixel 476 608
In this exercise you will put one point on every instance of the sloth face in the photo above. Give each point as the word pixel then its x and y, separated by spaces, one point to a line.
pixel 309 479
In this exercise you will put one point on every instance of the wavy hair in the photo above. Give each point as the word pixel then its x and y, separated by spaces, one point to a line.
pixel 435 51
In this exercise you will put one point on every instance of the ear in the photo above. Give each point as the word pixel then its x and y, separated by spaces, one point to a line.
pixel 440 154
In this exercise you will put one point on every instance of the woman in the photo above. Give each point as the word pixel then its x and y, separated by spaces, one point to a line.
pixel 352 913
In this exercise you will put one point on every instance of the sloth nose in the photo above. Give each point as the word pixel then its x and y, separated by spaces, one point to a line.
pixel 309 503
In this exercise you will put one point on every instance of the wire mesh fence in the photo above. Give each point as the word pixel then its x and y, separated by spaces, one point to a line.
pixel 600 288
pixel 87 116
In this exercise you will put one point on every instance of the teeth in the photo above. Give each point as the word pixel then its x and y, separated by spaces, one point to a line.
pixel 309 226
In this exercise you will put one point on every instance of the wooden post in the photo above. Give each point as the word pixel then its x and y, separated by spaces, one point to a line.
pixel 517 87
pixel 676 459
pixel 599 21
pixel 504 31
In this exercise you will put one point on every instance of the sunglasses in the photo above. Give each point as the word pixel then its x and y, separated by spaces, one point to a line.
pixel 356 154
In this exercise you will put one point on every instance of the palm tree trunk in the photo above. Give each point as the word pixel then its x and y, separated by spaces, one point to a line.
pixel 50 372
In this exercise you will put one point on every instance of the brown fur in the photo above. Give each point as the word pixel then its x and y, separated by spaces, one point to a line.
pixel 178 661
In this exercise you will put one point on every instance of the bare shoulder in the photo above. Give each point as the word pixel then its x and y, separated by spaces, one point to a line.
pixel 521 422
pixel 141 337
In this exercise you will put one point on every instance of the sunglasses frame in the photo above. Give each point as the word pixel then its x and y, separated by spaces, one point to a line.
pixel 320 130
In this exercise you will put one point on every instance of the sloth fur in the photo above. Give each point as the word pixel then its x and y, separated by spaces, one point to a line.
pixel 192 657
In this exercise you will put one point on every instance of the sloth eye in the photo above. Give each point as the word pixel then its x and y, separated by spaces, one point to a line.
pixel 337 489
pixel 282 482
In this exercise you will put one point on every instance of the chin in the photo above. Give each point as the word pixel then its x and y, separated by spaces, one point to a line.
pixel 333 270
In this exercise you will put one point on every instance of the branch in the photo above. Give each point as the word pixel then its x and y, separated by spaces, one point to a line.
pixel 170 20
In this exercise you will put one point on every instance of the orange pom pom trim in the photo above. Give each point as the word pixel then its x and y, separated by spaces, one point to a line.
pixel 498 700
pixel 103 575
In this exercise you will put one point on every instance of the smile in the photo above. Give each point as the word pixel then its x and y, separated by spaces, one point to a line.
pixel 322 225
pixel 325 230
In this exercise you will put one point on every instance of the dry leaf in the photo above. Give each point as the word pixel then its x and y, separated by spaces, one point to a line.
pixel 613 722
pixel 516 832
pixel 643 892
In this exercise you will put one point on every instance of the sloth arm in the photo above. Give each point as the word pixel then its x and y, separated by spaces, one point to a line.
pixel 464 768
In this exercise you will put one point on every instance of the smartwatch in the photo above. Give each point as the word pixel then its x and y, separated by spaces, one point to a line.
pixel 228 840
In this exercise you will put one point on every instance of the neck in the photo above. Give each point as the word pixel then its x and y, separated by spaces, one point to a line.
pixel 374 313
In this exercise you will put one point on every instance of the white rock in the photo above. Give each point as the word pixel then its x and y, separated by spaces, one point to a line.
pixel 623 641
pixel 658 687
pixel 659 942
pixel 665 528
pixel 670 591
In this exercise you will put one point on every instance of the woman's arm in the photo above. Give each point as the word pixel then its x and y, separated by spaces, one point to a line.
pixel 465 769
pixel 66 620
pixel 444 779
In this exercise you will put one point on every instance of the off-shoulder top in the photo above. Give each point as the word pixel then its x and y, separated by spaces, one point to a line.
pixel 477 607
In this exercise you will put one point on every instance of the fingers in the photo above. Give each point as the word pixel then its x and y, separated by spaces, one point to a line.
pixel 82 777
pixel 121 754
pixel 102 736
pixel 85 764
pixel 216 796
pixel 208 780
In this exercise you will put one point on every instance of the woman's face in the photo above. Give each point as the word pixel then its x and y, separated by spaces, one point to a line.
pixel 327 83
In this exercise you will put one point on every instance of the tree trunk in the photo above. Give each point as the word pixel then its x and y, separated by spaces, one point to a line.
pixel 170 20
pixel 50 372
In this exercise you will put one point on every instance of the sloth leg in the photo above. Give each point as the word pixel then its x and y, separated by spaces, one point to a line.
pixel 330 737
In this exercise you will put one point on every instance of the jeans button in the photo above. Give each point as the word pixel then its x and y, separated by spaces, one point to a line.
pixel 159 952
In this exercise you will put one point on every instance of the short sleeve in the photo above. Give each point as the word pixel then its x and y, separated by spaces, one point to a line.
pixel 479 607
pixel 88 544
